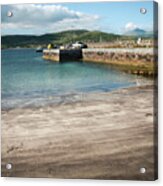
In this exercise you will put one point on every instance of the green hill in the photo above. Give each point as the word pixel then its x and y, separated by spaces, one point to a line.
pixel 12 41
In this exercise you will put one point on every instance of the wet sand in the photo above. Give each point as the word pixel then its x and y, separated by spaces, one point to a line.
pixel 110 137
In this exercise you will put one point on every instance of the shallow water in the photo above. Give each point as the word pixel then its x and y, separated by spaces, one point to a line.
pixel 28 80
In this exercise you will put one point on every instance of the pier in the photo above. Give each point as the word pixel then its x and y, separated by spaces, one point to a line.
pixel 133 60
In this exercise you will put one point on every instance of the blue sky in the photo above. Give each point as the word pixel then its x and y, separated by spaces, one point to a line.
pixel 115 17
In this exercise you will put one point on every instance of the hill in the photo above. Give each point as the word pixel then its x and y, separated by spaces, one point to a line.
pixel 139 33
pixel 13 41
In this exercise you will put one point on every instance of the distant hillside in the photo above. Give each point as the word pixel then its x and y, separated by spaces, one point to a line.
pixel 139 32
pixel 12 41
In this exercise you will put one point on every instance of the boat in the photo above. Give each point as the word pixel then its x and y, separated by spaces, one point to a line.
pixel 39 49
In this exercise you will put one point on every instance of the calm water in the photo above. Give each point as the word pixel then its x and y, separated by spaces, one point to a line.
pixel 28 80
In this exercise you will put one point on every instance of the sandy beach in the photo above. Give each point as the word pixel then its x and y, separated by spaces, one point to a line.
pixel 110 137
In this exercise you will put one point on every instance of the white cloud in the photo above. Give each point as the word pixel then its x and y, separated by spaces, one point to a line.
pixel 130 26
pixel 45 18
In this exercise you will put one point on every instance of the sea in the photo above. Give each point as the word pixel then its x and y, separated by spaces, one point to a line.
pixel 27 80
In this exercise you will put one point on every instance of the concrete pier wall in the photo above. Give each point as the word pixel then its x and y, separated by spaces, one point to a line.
pixel 141 61
pixel 66 55
pixel 52 55
pixel 136 61
pixel 62 55
pixel 141 55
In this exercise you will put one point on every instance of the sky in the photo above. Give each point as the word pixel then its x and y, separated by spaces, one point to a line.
pixel 111 17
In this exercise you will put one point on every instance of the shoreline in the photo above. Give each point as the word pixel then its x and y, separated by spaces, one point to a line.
pixel 110 138
pixel 81 96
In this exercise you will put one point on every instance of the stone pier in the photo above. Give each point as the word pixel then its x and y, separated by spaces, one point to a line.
pixel 141 61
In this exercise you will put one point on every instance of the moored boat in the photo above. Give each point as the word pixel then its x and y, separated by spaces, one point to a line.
pixel 39 49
